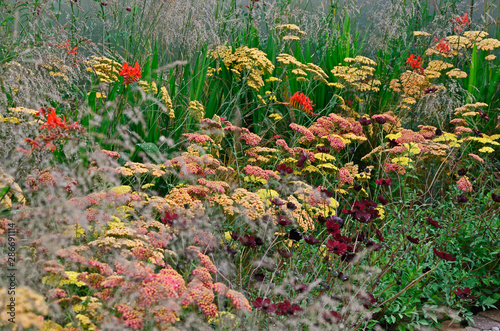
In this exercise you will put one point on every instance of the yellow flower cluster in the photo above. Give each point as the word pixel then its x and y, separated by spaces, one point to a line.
pixel 488 44
pixel 107 70
pixel 421 33
pixel 468 107
pixel 301 69
pixel 30 307
pixel 59 281
pixel 293 31
pixel 249 203
pixel 148 87
pixel 412 83
pixel 456 73
pixel 133 168
pixel 244 58
pixel 359 73
pixel 196 110
pixel 167 101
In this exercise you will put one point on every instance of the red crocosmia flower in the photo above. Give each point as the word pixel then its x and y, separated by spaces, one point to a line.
pixel 302 102
pixel 443 46
pixel 434 223
pixel 414 62
pixel 413 240
pixel 462 21
pixel 462 293
pixel 53 121
pixel 444 255
pixel 336 247
pixel 130 74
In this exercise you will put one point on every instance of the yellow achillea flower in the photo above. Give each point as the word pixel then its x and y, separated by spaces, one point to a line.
pixel 276 116
pixel 253 179
pixel 327 166
pixel 486 149
pixel 196 110
pixel 393 136
pixel 121 189
pixel 412 148
pixel 404 161
pixel 324 157
pixel 59 281
pixel 266 194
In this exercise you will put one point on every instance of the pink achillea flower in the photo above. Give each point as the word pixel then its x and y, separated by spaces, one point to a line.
pixel 130 317
pixel 308 135
pixel 250 138
pixel 239 301
pixel 217 186
pixel 336 142
pixel 476 157
pixel 345 176
pixel 198 138
pixel 259 172
pixel 220 288
pixel 282 143
pixel 464 184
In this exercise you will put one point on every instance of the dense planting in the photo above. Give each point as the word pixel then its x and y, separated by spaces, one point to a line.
pixel 220 166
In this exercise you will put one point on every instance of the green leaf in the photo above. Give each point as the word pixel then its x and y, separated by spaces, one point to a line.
pixel 3 191
pixel 150 149
pixel 471 88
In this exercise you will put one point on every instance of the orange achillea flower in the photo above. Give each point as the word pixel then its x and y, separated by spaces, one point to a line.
pixel 130 74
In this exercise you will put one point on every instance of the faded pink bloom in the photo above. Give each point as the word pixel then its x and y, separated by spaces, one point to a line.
pixel 476 157
pixel 336 142
pixel 282 143
pixel 464 184
pixel 308 135
pixel 345 176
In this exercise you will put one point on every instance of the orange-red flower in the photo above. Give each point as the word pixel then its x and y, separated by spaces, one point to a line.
pixel 130 74
pixel 301 101
pixel 443 46
pixel 414 62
